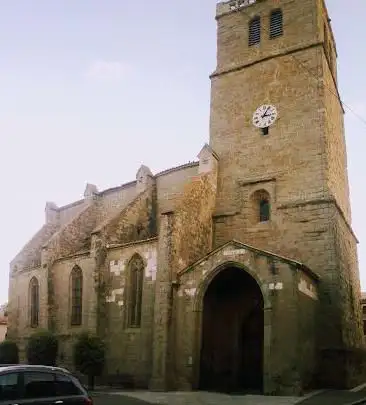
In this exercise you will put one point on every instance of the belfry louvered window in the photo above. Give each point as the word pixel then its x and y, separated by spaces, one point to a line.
pixel 276 24
pixel 255 31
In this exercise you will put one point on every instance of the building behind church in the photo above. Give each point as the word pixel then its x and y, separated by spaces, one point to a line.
pixel 3 322
pixel 235 272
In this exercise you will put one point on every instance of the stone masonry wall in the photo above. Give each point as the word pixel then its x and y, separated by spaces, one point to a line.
pixel 171 185
pixel 307 318
pixel 301 163
pixel 301 30
pixel 135 222
pixel 70 211
pixel 75 236
pixel 333 127
pixel 130 349
pixel 290 154
pixel 19 308
pixel 290 301
pixel 115 200
pixel 62 287
pixel 192 223
pixel 346 250
pixel 71 244
pixel 30 256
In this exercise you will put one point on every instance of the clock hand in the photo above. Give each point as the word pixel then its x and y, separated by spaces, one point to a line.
pixel 265 112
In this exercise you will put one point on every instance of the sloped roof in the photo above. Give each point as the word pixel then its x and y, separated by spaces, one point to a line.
pixel 234 242
pixel 113 216
pixel 30 254
pixel 173 169
pixel 207 147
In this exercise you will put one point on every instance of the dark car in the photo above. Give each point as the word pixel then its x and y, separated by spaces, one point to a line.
pixel 40 385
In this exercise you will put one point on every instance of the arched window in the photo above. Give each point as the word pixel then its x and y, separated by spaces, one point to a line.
pixel 255 31
pixel 261 206
pixel 134 296
pixel 34 302
pixel 276 24
pixel 76 291
pixel 264 210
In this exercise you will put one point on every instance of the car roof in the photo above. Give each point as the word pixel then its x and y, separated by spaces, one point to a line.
pixel 24 367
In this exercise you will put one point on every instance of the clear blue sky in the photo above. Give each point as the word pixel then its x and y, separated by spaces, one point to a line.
pixel 91 89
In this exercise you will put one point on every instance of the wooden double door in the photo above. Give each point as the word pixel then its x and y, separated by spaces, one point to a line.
pixel 231 357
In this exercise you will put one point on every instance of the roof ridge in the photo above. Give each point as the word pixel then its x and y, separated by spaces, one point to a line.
pixel 127 184
pixel 182 166
pixel 253 248
pixel 110 218
pixel 66 224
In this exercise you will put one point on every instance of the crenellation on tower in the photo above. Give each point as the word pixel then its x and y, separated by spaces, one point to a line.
pixel 226 7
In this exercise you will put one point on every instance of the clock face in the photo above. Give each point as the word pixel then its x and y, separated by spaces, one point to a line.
pixel 264 116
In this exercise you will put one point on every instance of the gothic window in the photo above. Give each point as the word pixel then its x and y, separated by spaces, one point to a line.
pixel 134 296
pixel 76 291
pixel 276 24
pixel 261 206
pixel 254 31
pixel 34 302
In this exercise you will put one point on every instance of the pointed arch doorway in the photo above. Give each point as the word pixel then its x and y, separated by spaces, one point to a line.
pixel 232 332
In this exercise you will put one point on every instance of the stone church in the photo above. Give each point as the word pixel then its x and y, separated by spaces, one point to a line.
pixel 238 271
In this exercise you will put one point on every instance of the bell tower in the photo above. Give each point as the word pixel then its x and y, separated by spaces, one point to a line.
pixel 276 124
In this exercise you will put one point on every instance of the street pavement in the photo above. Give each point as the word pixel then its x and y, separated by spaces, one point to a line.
pixel 336 397
pixel 186 398
pixel 328 397
pixel 108 399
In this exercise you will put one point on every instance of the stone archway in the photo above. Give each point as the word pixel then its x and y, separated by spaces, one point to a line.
pixel 232 333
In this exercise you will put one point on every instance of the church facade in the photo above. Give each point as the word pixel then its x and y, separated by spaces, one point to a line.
pixel 235 272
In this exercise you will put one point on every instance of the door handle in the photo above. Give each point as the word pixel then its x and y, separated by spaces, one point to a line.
pixel 59 402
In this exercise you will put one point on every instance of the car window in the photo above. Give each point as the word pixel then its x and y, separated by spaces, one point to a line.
pixel 9 386
pixel 66 386
pixel 38 384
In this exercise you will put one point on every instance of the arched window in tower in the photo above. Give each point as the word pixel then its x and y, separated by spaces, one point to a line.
pixel 134 295
pixel 34 302
pixel 255 31
pixel 264 209
pixel 261 205
pixel 276 24
pixel 76 295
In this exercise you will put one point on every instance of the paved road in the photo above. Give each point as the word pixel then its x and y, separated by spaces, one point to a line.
pixel 105 399
pixel 333 397
pixel 324 398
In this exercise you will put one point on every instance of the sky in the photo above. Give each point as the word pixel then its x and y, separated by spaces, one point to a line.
pixel 92 89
